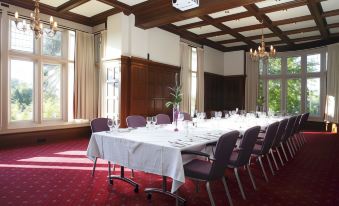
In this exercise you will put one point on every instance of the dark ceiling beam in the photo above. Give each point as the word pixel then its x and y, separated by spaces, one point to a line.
pixel 253 9
pixel 119 5
pixel 192 37
pixel 293 20
pixel 230 31
pixel 316 11
pixel 49 10
pixel 154 13
pixel 70 5
pixel 331 13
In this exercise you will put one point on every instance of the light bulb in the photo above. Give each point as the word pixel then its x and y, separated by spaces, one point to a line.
pixel 51 20
pixel 16 15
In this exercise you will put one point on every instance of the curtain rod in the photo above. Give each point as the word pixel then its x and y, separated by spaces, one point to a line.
pixel 59 25
pixel 190 43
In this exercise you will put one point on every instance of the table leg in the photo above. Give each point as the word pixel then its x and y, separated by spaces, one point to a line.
pixel 164 191
pixel 123 178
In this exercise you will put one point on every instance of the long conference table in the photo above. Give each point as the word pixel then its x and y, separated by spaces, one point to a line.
pixel 157 149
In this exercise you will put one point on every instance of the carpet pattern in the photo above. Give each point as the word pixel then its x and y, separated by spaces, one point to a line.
pixel 60 174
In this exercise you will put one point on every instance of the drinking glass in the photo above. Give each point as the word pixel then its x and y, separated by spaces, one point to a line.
pixel 181 116
pixel 110 123
pixel 203 115
pixel 116 123
pixel 149 121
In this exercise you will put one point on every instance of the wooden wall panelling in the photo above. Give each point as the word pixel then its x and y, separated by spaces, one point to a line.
pixel 234 92
pixel 214 92
pixel 125 89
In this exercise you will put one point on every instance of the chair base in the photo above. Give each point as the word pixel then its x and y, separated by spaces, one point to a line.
pixel 163 190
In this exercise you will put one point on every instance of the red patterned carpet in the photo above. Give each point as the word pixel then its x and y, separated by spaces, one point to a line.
pixel 59 174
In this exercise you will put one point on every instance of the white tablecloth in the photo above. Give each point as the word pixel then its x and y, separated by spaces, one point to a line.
pixel 158 150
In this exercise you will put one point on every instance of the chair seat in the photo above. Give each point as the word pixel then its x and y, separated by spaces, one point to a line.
pixel 198 169
pixel 257 149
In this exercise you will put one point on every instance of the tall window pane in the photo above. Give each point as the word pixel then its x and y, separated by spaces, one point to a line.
pixel 22 73
pixel 194 79
pixel 274 95
pixel 51 91
pixel 313 96
pixel 293 96
pixel 274 66
pixel 22 41
pixel 294 65
pixel 71 45
pixel 51 46
pixel 313 63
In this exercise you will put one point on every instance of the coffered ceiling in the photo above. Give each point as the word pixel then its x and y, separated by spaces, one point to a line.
pixel 226 25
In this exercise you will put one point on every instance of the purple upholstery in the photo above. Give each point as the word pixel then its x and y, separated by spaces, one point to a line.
pixel 99 125
pixel 296 124
pixel 163 119
pixel 270 135
pixel 187 116
pixel 246 147
pixel 205 170
pixel 303 120
pixel 289 128
pixel 136 121
pixel 280 132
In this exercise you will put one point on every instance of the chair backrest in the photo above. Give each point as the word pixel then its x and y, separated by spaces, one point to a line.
pixel 187 116
pixel 99 125
pixel 136 121
pixel 280 132
pixel 246 146
pixel 270 135
pixel 303 120
pixel 223 153
pixel 296 124
pixel 163 119
pixel 212 113
pixel 289 128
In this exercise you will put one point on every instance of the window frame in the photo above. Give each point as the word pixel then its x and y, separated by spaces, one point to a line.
pixel 303 76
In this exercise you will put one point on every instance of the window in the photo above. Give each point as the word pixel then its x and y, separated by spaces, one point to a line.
pixel 21 84
pixel 41 76
pixel 294 82
pixel 112 88
pixel 194 69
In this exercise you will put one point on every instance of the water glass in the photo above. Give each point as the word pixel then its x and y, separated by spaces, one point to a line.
pixel 110 123
pixel 116 123
pixel 181 116
pixel 149 121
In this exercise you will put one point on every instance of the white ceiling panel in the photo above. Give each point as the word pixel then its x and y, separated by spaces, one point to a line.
pixel 267 40
pixel 332 19
pixel 221 37
pixel 330 5
pixel 187 21
pixel 234 44
pixel 242 22
pixel 255 32
pixel 54 3
pixel 306 34
pixel 91 8
pixel 228 12
pixel 301 42
pixel 297 25
pixel 204 29
pixel 270 3
pixel 290 13
pixel 282 44
pixel 132 2
pixel 334 30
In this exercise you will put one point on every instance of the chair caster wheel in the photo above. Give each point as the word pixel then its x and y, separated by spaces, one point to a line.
pixel 149 196
pixel 136 189
pixel 111 182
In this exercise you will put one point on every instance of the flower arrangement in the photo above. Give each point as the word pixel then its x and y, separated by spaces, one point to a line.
pixel 177 98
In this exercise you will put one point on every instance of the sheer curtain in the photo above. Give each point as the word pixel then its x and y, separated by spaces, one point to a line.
pixel 102 104
pixel 252 75
pixel 200 81
pixel 85 78
pixel 185 76
pixel 332 97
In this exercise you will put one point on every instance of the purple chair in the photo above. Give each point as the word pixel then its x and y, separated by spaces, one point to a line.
pixel 208 171
pixel 240 156
pixel 293 139
pixel 287 134
pixel 163 119
pixel 303 121
pixel 136 121
pixel 260 150
pixel 187 116
pixel 99 125
pixel 276 143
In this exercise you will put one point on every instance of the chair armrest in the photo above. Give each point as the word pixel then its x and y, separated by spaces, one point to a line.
pixel 191 152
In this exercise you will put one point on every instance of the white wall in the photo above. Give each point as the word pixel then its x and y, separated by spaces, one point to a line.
pixel 213 61
pixel 162 46
pixel 234 63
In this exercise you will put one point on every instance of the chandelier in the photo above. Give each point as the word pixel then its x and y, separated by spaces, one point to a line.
pixel 35 24
pixel 261 53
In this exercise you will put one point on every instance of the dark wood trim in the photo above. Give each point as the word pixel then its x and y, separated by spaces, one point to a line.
pixel 125 89
pixel 44 136
pixel 316 11
pixel 71 5
pixel 119 5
